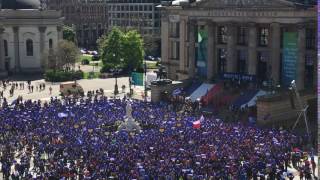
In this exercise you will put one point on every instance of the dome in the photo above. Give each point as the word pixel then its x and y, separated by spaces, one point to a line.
pixel 20 4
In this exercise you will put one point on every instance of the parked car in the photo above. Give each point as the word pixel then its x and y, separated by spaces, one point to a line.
pixel 71 88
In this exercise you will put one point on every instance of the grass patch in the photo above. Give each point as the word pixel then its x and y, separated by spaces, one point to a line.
pixel 91 75
pixel 92 63
pixel 85 56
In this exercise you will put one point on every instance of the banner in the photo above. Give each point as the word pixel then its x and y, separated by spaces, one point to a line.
pixel 202 54
pixel 237 77
pixel 137 78
pixel 289 59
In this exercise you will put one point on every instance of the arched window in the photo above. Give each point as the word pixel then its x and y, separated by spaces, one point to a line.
pixel 29 45
pixel 5 44
pixel 50 43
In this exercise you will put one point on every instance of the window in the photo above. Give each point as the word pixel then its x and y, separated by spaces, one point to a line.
pixel 263 36
pixel 222 35
pixel 5 43
pixel 29 47
pixel 175 50
pixel 222 55
pixel 242 35
pixel 310 38
pixel 50 43
pixel 242 61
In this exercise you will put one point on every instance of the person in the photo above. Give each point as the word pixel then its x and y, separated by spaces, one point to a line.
pixel 313 165
pixel 50 90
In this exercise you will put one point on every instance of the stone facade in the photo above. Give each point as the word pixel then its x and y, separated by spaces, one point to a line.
pixel 87 17
pixel 25 36
pixel 244 37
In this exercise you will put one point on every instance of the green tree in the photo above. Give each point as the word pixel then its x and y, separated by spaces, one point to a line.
pixel 118 46
pixel 69 34
pixel 132 49
pixel 63 57
pixel 111 48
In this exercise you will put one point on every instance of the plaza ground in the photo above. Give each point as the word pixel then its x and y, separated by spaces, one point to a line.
pixel 87 84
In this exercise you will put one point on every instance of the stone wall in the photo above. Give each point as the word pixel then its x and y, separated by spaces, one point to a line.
pixel 278 109
pixel 156 91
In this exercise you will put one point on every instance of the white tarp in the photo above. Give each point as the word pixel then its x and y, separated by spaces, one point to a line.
pixel 253 102
pixel 201 91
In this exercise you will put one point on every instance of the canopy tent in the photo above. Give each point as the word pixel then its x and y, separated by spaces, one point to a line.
pixel 244 98
pixel 208 97
pixel 195 85
pixel 201 91
pixel 253 100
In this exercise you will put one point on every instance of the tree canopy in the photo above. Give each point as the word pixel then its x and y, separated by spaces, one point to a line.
pixel 63 57
pixel 122 50
pixel 69 34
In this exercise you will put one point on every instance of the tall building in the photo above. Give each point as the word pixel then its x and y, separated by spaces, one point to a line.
pixel 141 15
pixel 87 17
pixel 26 35
pixel 266 40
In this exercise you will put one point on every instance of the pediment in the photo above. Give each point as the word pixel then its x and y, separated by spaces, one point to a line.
pixel 243 4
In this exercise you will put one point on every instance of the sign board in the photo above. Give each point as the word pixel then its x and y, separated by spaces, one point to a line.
pixel 238 76
pixel 137 78
pixel 202 54
pixel 290 57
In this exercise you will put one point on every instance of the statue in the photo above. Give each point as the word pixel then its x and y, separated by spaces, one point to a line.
pixel 129 124
pixel 129 110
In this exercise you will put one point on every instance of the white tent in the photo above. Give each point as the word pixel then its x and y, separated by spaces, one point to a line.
pixel 201 91
pixel 253 101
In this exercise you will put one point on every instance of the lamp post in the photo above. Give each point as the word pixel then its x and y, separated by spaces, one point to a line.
pixel 145 81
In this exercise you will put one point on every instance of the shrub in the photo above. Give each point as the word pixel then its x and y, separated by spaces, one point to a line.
pixel 59 75
pixel 85 62
pixel 106 67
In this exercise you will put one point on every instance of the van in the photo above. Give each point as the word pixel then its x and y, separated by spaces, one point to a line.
pixel 71 88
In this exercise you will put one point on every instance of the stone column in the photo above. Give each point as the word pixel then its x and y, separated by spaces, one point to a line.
pixel 301 57
pixel 182 62
pixel 212 60
pixel 2 55
pixel 191 49
pixel 252 51
pixel 275 52
pixel 42 30
pixel 16 48
pixel 164 39
pixel 60 32
pixel 231 48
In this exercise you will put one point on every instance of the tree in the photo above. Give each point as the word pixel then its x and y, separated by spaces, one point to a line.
pixel 69 34
pixel 63 57
pixel 110 47
pixel 132 49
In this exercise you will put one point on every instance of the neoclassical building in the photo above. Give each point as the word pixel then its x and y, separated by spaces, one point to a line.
pixel 26 34
pixel 265 39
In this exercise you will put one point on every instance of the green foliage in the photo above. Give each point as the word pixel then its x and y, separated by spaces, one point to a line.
pixel 106 68
pixel 60 76
pixel 110 47
pixel 133 52
pixel 121 50
pixel 68 34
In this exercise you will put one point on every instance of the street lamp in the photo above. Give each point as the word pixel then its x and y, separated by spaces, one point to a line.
pixel 145 81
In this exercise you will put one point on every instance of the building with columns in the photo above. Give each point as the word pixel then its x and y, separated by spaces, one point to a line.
pixel 265 39
pixel 26 34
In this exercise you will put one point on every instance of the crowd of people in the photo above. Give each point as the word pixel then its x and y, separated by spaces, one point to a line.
pixel 78 139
